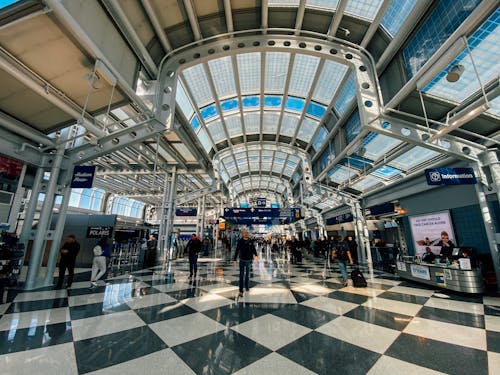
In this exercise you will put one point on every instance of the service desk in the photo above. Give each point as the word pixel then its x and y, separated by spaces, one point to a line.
pixel 443 276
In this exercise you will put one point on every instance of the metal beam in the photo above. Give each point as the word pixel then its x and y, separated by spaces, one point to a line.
pixel 160 33
pixel 339 12
pixel 193 19
pixel 264 14
pixel 128 30
pixel 375 23
pixel 300 16
pixel 229 16
pixel 24 130
pixel 191 196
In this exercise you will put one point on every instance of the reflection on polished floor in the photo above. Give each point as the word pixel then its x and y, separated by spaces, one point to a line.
pixel 296 319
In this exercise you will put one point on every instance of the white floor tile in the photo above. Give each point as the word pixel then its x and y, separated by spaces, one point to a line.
pixel 451 333
pixel 57 359
pixel 494 301
pixel 271 331
pixel 303 280
pixel 384 281
pixel 185 328
pixel 317 290
pixel 219 288
pixel 207 302
pixel 85 299
pixel 172 287
pixel 158 363
pixel 330 305
pixel 273 364
pixel 150 300
pixel 368 292
pixel 388 365
pixel 36 296
pixel 390 305
pixel 448 304
pixel 412 291
pixel 369 336
pixel 493 363
pixel 268 294
pixel 34 318
pixel 492 323
pixel 105 324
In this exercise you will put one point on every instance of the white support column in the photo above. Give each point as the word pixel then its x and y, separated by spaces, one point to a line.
pixel 202 223
pixel 16 203
pixel 364 243
pixel 38 248
pixel 162 216
pixel 198 217
pixel 170 212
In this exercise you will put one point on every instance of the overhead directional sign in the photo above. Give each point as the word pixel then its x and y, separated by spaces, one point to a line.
pixel 186 212
pixel 293 213
pixel 260 220
pixel 261 202
pixel 450 176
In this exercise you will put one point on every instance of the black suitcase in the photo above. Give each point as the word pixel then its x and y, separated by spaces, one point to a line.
pixel 358 280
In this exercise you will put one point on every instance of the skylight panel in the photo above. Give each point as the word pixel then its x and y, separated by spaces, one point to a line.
pixel 307 129
pixel 289 124
pixel 366 9
pixel 294 159
pixel 320 137
pixel 276 71
pixel 416 156
pixel 229 105
pixel 252 122
pixel 304 69
pixel 195 123
pixel 396 14
pixel 283 2
pixel 379 145
pixel 329 81
pixel 366 183
pixel 198 84
pixel 183 101
pixel 294 104
pixel 249 72
pixel 323 4
pixel 340 174
pixel 205 140
pixel 216 130
pixel 234 126
pixel 223 76
pixel 387 172
pixel 346 96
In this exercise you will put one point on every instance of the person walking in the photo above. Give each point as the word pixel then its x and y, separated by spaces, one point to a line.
pixel 101 253
pixel 68 251
pixel 151 245
pixel 206 246
pixel 193 248
pixel 353 248
pixel 341 253
pixel 246 250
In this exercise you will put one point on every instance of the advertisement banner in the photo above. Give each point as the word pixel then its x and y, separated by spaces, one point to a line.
pixel 421 272
pixel 98 232
pixel 432 230
pixel 83 177
pixel 450 176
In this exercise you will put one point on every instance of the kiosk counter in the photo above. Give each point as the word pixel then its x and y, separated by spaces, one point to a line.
pixel 450 277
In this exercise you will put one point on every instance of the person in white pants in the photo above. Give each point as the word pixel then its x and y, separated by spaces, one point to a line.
pixel 101 250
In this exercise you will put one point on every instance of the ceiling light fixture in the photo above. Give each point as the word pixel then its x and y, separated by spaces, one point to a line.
pixel 455 73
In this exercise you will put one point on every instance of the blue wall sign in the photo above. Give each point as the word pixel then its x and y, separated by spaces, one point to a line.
pixel 186 212
pixel 83 177
pixel 450 176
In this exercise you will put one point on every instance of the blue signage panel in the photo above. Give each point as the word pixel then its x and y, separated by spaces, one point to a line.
pixel 186 212
pixel 262 212
pixel 83 177
pixel 345 218
pixel 275 205
pixel 450 176
pixel 261 202
pixel 382 208
pixel 244 205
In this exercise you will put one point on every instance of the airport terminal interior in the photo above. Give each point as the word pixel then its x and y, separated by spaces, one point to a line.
pixel 250 187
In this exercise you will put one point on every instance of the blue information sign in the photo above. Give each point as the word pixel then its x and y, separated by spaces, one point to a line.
pixel 450 176
pixel 345 218
pixel 262 212
pixel 261 202
pixel 83 177
pixel 186 212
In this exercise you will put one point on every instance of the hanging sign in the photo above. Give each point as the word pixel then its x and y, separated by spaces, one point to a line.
pixel 83 176
pixel 260 202
pixel 450 176
pixel 186 212
pixel 99 231
pixel 344 218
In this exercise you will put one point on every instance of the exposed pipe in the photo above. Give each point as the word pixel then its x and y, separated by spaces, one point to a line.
pixel 160 33
pixel 24 130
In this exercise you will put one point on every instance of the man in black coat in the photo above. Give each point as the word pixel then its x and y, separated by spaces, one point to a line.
pixel 68 251
pixel 246 249
pixel 193 248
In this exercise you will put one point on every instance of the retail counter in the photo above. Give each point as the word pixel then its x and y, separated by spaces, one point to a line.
pixel 443 276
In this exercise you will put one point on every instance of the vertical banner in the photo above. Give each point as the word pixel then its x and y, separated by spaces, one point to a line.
pixel 429 230
pixel 83 177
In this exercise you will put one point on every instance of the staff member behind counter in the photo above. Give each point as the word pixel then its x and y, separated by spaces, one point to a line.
pixel 428 256
pixel 446 245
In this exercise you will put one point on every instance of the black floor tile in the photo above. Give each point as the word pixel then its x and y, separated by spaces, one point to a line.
pixel 491 310
pixel 327 355
pixel 233 314
pixel 376 285
pixel 158 313
pixel 305 316
pixel 251 283
pixel 266 307
pixel 301 297
pixel 379 317
pixel 104 351
pixel 447 295
pixel 404 297
pixel 187 293
pixel 223 352
pixel 493 340
pixel 18 340
pixel 348 297
pixel 85 291
pixel 411 284
pixel 455 317
pixel 18 307
pixel 95 309
pixel 439 356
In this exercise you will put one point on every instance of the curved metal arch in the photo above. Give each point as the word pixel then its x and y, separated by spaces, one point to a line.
pixel 368 89
pixel 264 145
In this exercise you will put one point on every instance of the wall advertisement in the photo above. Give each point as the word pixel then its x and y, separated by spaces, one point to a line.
pixel 431 230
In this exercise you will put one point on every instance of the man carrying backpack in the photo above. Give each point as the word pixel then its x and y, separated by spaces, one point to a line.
pixel 341 253
pixel 193 248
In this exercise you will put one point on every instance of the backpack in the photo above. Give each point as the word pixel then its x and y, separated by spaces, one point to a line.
pixel 358 280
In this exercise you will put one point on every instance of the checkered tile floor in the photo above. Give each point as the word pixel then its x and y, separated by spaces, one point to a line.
pixel 296 319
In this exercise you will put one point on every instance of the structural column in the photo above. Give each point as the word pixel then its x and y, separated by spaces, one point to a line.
pixel 163 216
pixel 170 213
pixel 16 203
pixel 30 209
pixel 202 221
pixel 43 226
pixel 362 229
pixel 198 217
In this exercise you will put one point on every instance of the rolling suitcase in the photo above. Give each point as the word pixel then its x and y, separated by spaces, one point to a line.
pixel 358 280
